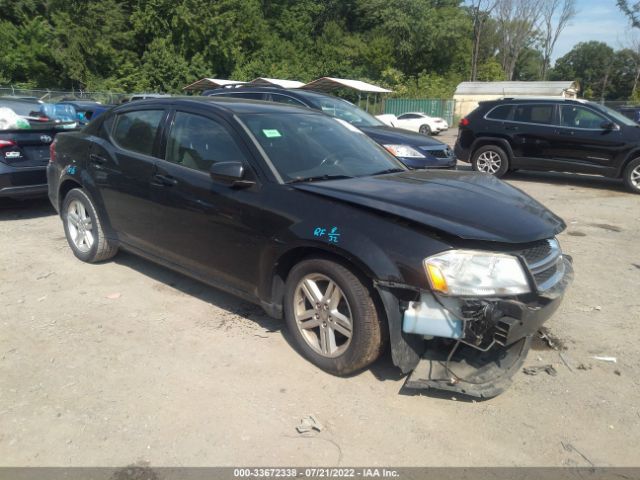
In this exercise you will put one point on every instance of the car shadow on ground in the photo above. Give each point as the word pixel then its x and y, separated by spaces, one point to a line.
pixel 199 290
pixel 569 180
pixel 11 209
pixel 383 369
pixel 560 178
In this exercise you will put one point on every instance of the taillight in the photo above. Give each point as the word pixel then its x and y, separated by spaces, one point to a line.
pixel 464 122
pixel 52 152
pixel 7 143
pixel 42 118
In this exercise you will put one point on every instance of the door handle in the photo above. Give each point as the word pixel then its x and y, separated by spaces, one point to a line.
pixel 97 159
pixel 511 128
pixel 164 180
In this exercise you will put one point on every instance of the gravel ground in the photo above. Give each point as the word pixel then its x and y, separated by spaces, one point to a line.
pixel 127 362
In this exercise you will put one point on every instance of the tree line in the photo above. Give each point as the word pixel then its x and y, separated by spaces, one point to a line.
pixel 418 48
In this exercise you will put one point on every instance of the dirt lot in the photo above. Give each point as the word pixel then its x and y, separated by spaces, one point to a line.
pixel 127 362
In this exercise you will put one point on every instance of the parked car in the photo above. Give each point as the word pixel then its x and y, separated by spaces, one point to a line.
pixel 306 216
pixel 422 123
pixel 24 151
pixel 86 110
pixel 552 135
pixel 414 150
pixel 631 112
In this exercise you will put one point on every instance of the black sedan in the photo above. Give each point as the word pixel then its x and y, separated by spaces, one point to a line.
pixel 306 216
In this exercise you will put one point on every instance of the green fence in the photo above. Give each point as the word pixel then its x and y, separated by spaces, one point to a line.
pixel 434 108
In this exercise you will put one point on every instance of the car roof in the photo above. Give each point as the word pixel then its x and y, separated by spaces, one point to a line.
pixel 537 100
pixel 229 105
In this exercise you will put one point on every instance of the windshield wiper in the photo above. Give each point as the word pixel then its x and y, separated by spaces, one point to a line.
pixel 388 170
pixel 318 178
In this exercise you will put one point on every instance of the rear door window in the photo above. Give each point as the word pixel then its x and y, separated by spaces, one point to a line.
pixel 532 113
pixel 198 142
pixel 136 131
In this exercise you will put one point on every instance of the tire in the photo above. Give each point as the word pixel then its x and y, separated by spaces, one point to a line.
pixel 83 228
pixel 326 322
pixel 631 175
pixel 490 159
pixel 425 129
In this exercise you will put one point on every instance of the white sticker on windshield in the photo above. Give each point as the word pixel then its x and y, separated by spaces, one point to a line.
pixel 271 133
pixel 347 125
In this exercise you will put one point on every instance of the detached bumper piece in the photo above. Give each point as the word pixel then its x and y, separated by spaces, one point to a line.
pixel 470 371
pixel 475 346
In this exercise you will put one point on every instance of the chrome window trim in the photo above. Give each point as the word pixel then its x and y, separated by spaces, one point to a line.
pixel 545 124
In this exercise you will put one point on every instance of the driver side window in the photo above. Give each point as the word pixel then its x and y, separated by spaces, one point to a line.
pixel 580 117
pixel 198 142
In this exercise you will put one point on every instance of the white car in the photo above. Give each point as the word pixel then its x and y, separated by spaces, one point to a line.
pixel 422 123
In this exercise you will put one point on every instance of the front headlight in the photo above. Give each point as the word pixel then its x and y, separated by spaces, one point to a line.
pixel 476 273
pixel 404 151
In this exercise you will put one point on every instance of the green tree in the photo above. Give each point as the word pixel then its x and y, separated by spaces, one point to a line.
pixel 590 63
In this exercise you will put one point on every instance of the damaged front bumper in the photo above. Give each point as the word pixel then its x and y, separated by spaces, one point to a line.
pixel 471 346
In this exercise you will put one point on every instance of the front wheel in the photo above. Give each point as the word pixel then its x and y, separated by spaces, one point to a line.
pixel 83 228
pixel 631 175
pixel 490 159
pixel 425 129
pixel 332 317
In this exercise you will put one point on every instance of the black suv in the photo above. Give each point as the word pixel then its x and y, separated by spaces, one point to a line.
pixel 554 135
pixel 309 218
pixel 413 149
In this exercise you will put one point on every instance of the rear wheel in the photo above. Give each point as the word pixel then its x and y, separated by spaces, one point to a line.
pixel 425 129
pixel 490 159
pixel 332 316
pixel 83 228
pixel 631 175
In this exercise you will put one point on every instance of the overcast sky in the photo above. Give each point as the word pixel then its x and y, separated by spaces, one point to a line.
pixel 596 20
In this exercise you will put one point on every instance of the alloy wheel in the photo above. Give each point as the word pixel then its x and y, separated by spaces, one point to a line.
pixel 323 315
pixel 635 177
pixel 80 226
pixel 489 162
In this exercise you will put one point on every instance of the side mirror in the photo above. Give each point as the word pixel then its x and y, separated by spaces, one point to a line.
pixel 609 126
pixel 231 173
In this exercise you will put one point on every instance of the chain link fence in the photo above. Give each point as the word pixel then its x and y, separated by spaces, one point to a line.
pixel 53 96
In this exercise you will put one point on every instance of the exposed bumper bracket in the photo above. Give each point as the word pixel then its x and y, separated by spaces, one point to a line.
pixel 471 371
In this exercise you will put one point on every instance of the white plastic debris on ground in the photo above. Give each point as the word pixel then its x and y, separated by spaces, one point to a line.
pixel 9 120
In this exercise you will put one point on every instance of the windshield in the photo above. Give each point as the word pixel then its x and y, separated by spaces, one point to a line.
pixel 336 107
pixel 617 116
pixel 306 146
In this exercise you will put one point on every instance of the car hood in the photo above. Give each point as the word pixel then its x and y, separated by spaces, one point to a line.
pixel 390 135
pixel 467 205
